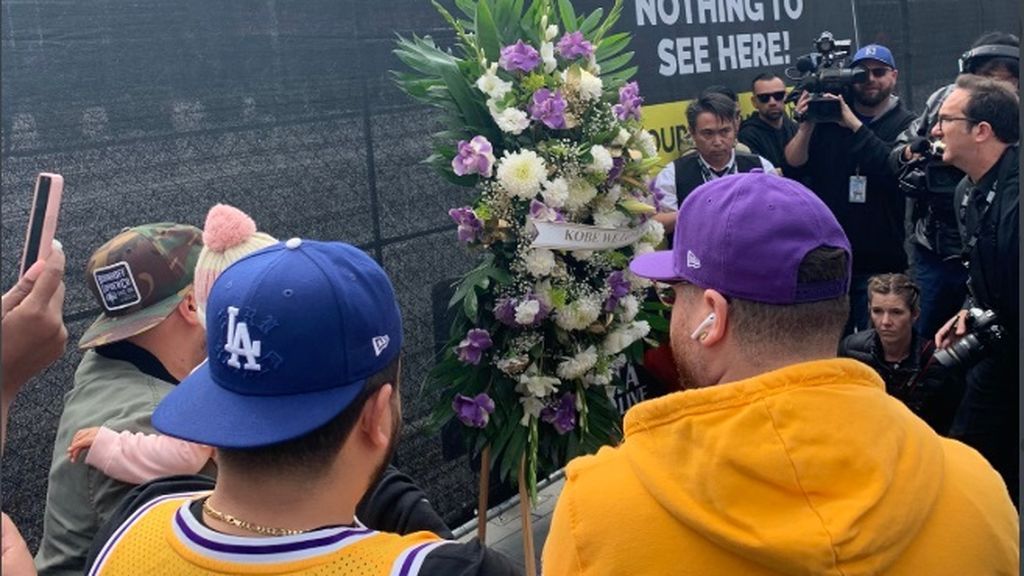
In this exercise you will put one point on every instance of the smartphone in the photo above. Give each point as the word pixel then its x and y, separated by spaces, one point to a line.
pixel 42 222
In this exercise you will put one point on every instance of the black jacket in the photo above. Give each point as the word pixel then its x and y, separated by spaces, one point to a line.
pixel 875 228
pixel 931 222
pixel 929 389
pixel 766 141
pixel 994 269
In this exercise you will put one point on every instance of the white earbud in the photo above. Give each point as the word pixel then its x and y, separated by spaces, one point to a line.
pixel 702 328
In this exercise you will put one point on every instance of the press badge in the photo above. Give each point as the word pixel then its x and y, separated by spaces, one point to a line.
pixel 858 189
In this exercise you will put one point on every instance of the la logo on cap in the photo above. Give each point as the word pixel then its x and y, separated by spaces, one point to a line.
pixel 239 343
pixel 871 50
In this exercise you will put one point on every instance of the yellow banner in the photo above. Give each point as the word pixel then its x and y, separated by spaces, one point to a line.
pixel 667 122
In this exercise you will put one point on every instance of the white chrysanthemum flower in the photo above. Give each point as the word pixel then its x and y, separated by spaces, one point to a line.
pixel 547 56
pixel 654 232
pixel 539 262
pixel 613 195
pixel 630 306
pixel 590 86
pixel 621 138
pixel 527 311
pixel 493 86
pixel 610 219
pixel 601 378
pixel 646 143
pixel 581 193
pixel 578 365
pixel 551 33
pixel 578 314
pixel 556 192
pixel 620 338
pixel 531 409
pixel 511 120
pixel 537 385
pixel 602 160
pixel 522 173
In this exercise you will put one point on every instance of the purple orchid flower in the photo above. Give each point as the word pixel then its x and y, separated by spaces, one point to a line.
pixel 544 213
pixel 519 57
pixel 475 411
pixel 472 347
pixel 629 102
pixel 656 193
pixel 562 414
pixel 618 289
pixel 548 107
pixel 573 46
pixel 474 157
pixel 470 227
pixel 618 165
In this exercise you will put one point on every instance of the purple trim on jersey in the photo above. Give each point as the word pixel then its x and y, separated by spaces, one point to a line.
pixel 264 548
pixel 407 565
pixel 112 542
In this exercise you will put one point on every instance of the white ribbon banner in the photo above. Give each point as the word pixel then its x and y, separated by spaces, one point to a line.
pixel 561 236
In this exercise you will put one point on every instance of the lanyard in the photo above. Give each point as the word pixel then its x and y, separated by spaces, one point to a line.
pixel 708 175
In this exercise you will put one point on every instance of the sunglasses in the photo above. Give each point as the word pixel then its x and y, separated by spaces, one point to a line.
pixel 878 72
pixel 764 98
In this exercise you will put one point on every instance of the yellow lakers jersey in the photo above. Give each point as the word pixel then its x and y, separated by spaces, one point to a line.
pixel 165 538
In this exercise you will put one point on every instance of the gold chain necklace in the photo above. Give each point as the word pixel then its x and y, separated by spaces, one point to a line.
pixel 247 526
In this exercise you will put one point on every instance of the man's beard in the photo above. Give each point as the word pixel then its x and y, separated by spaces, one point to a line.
pixel 871 101
pixel 688 367
pixel 771 115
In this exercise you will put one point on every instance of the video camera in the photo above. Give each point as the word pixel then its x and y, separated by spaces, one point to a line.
pixel 823 72
pixel 928 174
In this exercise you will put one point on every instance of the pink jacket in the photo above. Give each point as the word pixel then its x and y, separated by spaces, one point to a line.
pixel 135 457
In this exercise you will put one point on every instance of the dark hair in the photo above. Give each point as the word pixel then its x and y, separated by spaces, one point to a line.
pixel 721 106
pixel 985 65
pixel 993 102
pixel 898 284
pixel 311 454
pixel 761 328
pixel 764 76
pixel 720 89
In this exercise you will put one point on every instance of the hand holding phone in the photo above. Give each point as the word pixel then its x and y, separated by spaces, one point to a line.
pixel 42 221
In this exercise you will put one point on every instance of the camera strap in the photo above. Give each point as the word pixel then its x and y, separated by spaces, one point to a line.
pixel 1004 167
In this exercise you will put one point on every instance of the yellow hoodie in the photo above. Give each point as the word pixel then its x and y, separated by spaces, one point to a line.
pixel 810 469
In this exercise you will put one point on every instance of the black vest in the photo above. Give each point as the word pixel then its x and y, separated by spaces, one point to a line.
pixel 689 174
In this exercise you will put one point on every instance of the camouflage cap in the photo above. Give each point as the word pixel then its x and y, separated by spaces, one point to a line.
pixel 138 278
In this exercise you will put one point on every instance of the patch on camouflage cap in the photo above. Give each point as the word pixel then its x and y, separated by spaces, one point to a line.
pixel 138 277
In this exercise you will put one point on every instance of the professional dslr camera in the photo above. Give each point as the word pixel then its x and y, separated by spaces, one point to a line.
pixel 928 174
pixel 983 330
pixel 823 72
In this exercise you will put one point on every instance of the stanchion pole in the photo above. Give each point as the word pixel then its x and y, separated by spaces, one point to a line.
pixel 485 487
pixel 524 511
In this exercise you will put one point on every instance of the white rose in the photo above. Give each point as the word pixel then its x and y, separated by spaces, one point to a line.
pixel 527 311
pixel 511 120
pixel 539 262
pixel 602 160
pixel 556 192
pixel 581 193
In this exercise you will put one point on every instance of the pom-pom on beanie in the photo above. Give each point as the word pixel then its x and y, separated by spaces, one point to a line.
pixel 229 234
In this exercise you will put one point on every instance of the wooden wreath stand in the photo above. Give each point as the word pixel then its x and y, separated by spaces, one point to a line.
pixel 524 509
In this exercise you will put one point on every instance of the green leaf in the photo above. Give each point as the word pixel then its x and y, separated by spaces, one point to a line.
pixel 612 45
pixel 487 32
pixel 613 64
pixel 590 23
pixel 468 8
pixel 470 305
pixel 567 15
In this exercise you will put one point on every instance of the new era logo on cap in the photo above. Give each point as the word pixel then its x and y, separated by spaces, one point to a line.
pixel 691 260
pixel 380 343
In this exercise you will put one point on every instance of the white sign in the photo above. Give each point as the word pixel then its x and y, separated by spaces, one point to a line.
pixel 561 236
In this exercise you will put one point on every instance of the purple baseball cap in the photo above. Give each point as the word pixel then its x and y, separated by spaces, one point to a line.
pixel 745 235
pixel 293 332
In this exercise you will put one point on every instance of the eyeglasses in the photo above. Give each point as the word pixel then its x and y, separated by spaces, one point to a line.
pixel 764 98
pixel 878 72
pixel 943 120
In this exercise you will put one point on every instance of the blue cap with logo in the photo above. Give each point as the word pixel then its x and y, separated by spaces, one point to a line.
pixel 874 52
pixel 293 333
